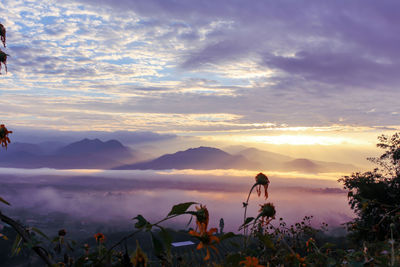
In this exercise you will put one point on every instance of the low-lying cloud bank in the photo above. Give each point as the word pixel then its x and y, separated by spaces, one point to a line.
pixel 117 196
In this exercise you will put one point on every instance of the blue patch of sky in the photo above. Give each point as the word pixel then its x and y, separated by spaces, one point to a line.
pixel 136 44
pixel 48 20
pixel 121 61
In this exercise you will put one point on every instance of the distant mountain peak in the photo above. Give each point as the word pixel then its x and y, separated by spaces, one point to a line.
pixel 91 146
pixel 202 157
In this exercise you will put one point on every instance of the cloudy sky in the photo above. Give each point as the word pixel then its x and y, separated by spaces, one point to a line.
pixel 229 68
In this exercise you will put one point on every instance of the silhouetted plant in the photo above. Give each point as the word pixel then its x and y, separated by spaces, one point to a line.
pixel 375 195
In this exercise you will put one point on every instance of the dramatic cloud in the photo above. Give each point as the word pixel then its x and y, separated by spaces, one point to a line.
pixel 192 66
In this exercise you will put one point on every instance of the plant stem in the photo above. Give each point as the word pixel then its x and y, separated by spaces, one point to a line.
pixel 26 236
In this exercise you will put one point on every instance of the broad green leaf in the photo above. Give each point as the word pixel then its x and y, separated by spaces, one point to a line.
pixel 180 208
pixel 141 222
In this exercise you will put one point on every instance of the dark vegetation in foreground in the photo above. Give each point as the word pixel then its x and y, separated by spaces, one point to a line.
pixel 372 239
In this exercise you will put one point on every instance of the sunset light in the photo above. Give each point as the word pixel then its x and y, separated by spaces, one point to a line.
pixel 252 133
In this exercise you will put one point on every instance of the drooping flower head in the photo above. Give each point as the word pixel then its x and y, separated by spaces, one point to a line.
pixel 267 213
pixel 207 240
pixel 3 60
pixel 3 34
pixel 202 218
pixel 262 181
pixel 4 140
pixel 251 262
pixel 100 238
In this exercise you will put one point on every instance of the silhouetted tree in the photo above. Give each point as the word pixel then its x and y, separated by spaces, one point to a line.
pixel 375 195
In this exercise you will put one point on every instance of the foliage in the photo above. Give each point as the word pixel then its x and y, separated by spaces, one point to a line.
pixel 375 195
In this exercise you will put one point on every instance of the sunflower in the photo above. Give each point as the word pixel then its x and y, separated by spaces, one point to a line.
pixel 207 240
pixel 4 140
pixel 251 262
pixel 3 59
pixel 262 181
pixel 100 238
pixel 3 34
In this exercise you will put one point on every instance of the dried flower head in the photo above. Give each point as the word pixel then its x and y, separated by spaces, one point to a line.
pixel 4 140
pixel 62 232
pixel 262 181
pixel 100 238
pixel 267 213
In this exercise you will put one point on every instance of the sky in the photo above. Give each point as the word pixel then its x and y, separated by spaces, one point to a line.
pixel 276 72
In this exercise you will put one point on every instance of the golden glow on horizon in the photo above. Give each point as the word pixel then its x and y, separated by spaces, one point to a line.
pixel 299 140
pixel 250 173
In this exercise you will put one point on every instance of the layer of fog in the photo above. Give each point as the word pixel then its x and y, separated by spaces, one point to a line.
pixel 118 196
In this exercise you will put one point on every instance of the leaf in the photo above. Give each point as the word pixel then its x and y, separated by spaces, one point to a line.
pixel 141 222
pixel 233 259
pixel 180 208
pixel 39 232
pixel 227 236
pixel 246 222
pixel 266 240
pixel 157 245
pixel 4 201
pixel 167 238
pixel 17 242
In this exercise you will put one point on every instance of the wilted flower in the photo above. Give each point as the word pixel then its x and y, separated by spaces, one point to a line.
pixel 202 218
pixel 267 213
pixel 3 34
pixel 207 240
pixel 251 262
pixel 3 59
pixel 262 181
pixel 62 232
pixel 100 238
pixel 139 258
pixel 4 140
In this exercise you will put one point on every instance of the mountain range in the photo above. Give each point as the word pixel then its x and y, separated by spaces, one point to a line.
pixel 84 154
pixel 97 154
